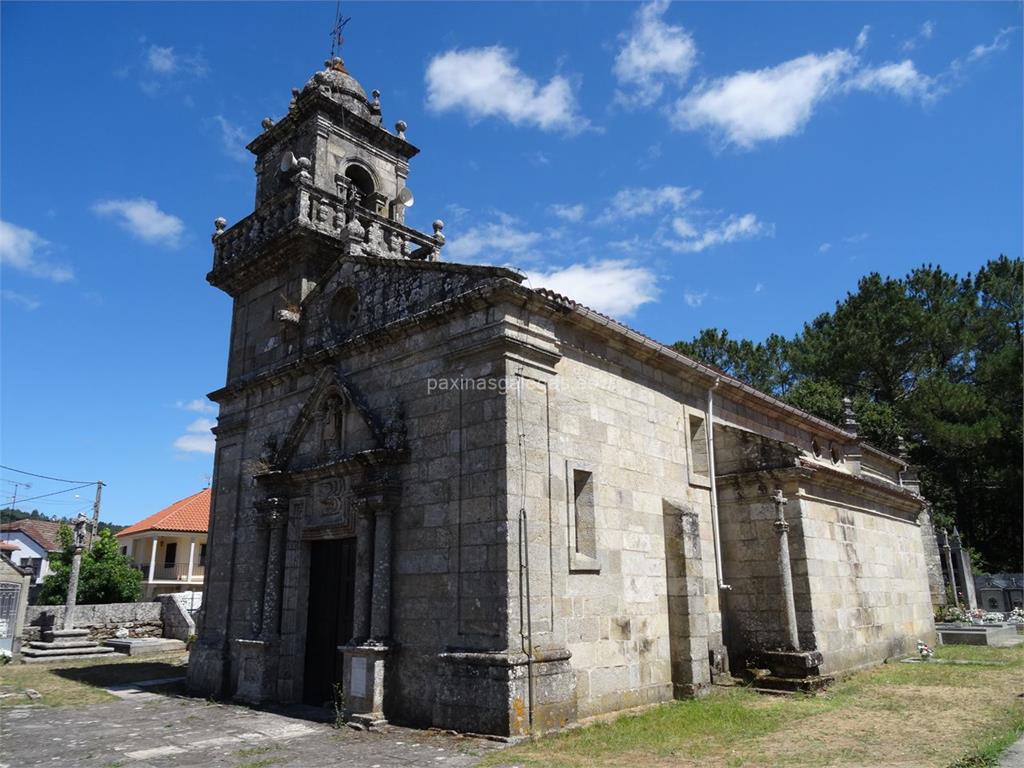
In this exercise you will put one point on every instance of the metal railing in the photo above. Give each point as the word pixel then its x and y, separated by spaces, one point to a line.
pixel 172 572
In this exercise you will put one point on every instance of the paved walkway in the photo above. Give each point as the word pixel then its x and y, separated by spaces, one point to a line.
pixel 1014 756
pixel 150 730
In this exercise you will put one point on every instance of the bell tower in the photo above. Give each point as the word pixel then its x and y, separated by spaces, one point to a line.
pixel 328 166
pixel 333 124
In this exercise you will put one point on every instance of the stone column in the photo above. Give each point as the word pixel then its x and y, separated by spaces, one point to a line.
pixel 949 567
pixel 364 577
pixel 72 598
pixel 276 518
pixel 152 561
pixel 191 556
pixel 785 571
pixel 380 608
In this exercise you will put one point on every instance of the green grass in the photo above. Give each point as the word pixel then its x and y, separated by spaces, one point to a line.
pixel 940 714
pixel 67 683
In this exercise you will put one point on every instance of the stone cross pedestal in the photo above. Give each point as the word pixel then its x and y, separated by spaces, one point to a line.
pixel 363 683
pixel 68 642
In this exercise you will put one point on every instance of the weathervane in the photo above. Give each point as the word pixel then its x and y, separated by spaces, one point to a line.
pixel 337 38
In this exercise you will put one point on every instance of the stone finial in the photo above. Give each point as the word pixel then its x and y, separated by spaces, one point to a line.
pixel 219 224
pixel 400 128
pixel 376 98
pixel 901 448
pixel 438 225
pixel 849 419
pixel 956 536
pixel 295 99
pixel 267 123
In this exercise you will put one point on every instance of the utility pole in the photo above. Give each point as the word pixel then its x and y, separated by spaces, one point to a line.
pixel 95 514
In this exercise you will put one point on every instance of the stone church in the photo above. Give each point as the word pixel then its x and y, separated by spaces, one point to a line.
pixel 442 498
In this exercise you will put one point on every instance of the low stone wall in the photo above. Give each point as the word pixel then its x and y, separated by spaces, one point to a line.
pixel 102 621
pixel 178 623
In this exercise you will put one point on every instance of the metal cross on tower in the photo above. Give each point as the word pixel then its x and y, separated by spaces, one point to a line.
pixel 337 36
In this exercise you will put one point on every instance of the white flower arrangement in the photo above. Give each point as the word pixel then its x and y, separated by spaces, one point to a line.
pixel 1016 616
pixel 924 650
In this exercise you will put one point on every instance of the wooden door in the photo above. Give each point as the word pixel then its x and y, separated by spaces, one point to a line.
pixel 332 570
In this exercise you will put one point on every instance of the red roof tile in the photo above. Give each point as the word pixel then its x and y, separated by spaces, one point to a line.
pixel 43 532
pixel 191 514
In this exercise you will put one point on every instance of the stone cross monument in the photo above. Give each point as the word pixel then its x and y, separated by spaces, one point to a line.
pixel 76 567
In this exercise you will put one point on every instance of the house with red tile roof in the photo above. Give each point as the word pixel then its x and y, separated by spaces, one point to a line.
pixel 28 543
pixel 169 547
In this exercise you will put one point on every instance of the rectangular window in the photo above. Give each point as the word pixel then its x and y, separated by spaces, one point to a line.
pixel 697 448
pixel 582 520
pixel 170 554
pixel 202 555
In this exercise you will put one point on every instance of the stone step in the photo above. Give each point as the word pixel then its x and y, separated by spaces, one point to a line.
pixel 45 645
pixel 51 652
pixel 142 646
pixel 65 657
pixel 63 634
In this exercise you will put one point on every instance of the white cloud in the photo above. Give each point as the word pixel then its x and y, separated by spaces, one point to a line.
pixel 758 287
pixel 694 299
pixel 615 287
pixel 197 437
pixel 901 78
pixel 197 406
pixel 161 60
pixel 484 82
pixel 925 32
pixel 824 247
pixel 493 241
pixel 999 43
pixel 571 213
pixel 766 104
pixel 862 38
pixel 20 249
pixel 860 237
pixel 144 219
pixel 653 53
pixel 23 301
pixel 233 139
pixel 734 228
pixel 633 202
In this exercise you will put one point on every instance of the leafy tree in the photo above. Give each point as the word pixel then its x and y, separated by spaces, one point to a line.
pixel 106 576
pixel 933 358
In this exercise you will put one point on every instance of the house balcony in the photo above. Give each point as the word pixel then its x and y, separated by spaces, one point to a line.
pixel 172 573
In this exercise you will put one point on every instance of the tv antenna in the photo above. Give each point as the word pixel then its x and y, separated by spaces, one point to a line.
pixel 337 31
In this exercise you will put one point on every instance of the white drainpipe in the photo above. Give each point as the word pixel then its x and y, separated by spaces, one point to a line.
pixel 714 489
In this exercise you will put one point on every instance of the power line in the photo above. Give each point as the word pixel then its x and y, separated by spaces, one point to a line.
pixel 46 477
pixel 66 490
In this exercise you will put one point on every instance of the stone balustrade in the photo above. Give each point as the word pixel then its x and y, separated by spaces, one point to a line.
pixel 301 205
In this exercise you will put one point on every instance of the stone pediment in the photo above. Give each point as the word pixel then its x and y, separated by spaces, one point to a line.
pixel 333 426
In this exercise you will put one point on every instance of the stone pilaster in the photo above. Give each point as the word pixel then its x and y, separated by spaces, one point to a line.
pixel 257 674
pixel 380 605
pixel 364 576
pixel 276 519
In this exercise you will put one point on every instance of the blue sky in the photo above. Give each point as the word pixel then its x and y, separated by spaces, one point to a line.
pixel 678 166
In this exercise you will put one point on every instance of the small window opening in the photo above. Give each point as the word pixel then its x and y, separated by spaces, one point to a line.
pixel 586 523
pixel 344 312
pixel 698 433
